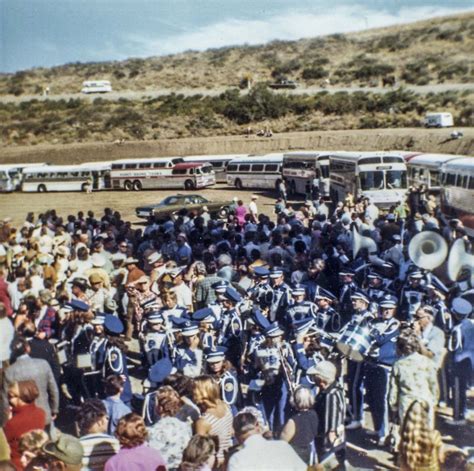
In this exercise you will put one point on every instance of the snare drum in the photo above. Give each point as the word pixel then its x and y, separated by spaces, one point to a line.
pixel 84 361
pixel 355 342
pixel 62 350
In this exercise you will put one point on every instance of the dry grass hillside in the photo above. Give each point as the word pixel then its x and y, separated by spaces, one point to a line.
pixel 433 51
pixel 428 52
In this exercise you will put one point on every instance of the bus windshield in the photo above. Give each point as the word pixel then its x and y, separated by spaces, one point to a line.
pixel 396 179
pixel 324 171
pixel 371 180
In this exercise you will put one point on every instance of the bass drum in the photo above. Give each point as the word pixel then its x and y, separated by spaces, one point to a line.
pixel 355 342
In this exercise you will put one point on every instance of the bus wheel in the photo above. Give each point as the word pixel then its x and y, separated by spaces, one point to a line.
pixel 42 189
pixel 137 185
pixel 128 185
pixel 238 184
pixel 84 187
pixel 188 185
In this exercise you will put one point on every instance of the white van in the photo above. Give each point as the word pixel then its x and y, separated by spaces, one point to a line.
pixel 96 86
pixel 438 120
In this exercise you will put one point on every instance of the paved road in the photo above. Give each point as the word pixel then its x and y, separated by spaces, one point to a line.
pixel 148 94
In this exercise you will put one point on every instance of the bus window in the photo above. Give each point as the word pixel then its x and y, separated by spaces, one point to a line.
pixel 117 166
pixel 145 165
pixel 160 165
pixel 217 164
pixel 371 180
pixel 324 171
pixel 396 179
pixel 450 179
pixel 471 183
pixel 257 168
pixel 271 168
pixel 179 171
pixel 130 166
pixel 464 181
pixel 206 169
pixel 370 160
pixel 231 168
pixel 244 168
pixel 434 178
pixel 391 160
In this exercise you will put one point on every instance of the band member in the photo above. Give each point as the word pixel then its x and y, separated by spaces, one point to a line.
pixel 347 289
pixel 189 358
pixel 275 361
pixel 154 342
pixel 461 346
pixel 299 308
pixel 261 293
pixel 221 369
pixel 381 356
pixel 281 296
pixel 327 318
pixel 412 296
pixel 355 378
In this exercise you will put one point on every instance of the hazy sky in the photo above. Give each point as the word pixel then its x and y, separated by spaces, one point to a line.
pixel 52 32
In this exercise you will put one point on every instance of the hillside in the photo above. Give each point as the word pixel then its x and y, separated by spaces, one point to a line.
pixel 432 51
pixel 423 53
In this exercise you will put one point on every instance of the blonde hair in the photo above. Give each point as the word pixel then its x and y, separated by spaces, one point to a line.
pixel 206 393
pixel 32 441
pixel 417 442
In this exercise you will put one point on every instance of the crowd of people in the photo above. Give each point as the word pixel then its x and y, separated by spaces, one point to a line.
pixel 250 342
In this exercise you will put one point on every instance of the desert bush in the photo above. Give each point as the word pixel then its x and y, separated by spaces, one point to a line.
pixel 392 42
pixel 453 70
pixel 118 74
pixel 314 73
pixel 286 68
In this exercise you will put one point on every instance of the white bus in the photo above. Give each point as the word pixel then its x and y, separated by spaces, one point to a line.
pixel 457 191
pixel 11 176
pixel 424 169
pixel 262 171
pixel 157 173
pixel 96 86
pixel 380 176
pixel 219 163
pixel 300 169
pixel 63 178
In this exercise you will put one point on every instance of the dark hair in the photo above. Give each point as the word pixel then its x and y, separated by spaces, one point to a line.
pixel 19 347
pixel 244 423
pixel 89 414
pixel 408 342
pixel 183 385
pixel 113 385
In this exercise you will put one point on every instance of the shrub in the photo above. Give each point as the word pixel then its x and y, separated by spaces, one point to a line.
pixel 314 73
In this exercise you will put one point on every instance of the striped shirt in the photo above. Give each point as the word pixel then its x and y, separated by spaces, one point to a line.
pixel 222 428
pixel 98 448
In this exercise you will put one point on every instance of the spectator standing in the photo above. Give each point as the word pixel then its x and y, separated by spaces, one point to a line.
pixel 240 212
pixel 301 430
pixel 98 446
pixel 216 418
pixel 257 453
pixel 25 416
pixel 115 407
pixel 7 333
pixel 169 435
pixel 413 376
pixel 253 209
pixel 421 447
pixel 134 454
pixel 26 368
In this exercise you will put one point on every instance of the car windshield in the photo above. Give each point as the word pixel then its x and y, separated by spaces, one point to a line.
pixel 396 179
pixel 170 200
pixel 371 180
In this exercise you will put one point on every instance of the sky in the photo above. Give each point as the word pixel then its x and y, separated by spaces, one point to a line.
pixel 44 33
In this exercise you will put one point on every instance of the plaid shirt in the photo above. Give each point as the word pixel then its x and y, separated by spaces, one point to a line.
pixel 205 294
pixel 47 323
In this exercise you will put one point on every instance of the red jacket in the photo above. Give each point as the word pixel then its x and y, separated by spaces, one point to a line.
pixel 5 297
pixel 25 418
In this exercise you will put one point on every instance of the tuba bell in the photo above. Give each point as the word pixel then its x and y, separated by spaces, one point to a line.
pixel 460 260
pixel 428 250
pixel 362 242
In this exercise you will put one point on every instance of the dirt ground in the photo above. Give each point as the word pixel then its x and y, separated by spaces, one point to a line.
pixel 17 205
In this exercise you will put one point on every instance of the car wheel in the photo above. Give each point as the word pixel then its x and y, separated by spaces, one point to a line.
pixel 42 189
pixel 188 185
pixel 238 184
pixel 137 185
pixel 128 185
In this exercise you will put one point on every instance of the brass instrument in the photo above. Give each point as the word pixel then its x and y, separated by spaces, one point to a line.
pixel 287 371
